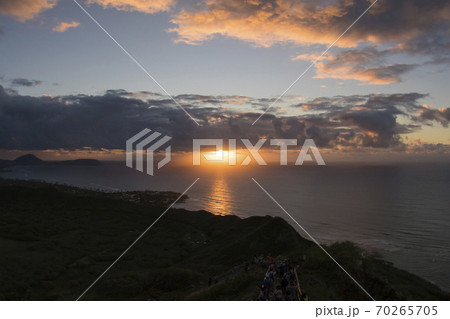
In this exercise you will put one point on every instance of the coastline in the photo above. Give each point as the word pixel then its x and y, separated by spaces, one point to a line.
pixel 68 235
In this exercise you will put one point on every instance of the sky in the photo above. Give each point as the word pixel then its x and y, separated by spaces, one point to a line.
pixel 381 89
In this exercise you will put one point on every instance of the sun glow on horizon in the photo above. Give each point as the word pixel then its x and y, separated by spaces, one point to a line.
pixel 218 155
pixel 222 157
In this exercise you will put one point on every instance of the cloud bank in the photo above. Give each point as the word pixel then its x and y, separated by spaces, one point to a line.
pixel 106 121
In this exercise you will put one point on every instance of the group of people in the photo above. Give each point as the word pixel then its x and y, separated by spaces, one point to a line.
pixel 280 281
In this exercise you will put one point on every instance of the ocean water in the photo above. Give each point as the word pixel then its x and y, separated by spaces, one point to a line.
pixel 401 212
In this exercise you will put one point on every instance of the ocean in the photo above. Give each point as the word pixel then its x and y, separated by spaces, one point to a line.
pixel 401 212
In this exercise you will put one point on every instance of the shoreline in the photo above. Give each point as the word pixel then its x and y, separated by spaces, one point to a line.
pixel 202 243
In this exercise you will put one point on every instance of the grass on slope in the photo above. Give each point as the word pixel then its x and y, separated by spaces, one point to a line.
pixel 56 240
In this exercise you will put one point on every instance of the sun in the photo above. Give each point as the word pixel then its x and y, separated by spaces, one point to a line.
pixel 218 155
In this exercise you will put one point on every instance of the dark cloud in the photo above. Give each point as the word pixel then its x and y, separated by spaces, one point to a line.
pixel 432 114
pixel 422 148
pixel 107 121
pixel 140 94
pixel 404 101
pixel 416 28
pixel 360 120
pixel 378 127
pixel 435 45
pixel 24 82
pixel 366 65
pixel 11 91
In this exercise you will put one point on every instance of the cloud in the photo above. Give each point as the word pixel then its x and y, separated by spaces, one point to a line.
pixel 376 75
pixel 262 23
pixel 23 10
pixel 420 147
pixel 106 121
pixel 414 27
pixel 366 65
pixel 268 22
pixel 145 6
pixel 24 82
pixel 64 26
pixel 428 113
pixel 361 120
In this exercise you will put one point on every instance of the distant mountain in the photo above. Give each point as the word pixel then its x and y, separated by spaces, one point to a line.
pixel 28 159
pixel 32 160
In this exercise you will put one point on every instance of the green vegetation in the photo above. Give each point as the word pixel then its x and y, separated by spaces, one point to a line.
pixel 56 240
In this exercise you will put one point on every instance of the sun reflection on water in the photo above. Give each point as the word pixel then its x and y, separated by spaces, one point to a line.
pixel 219 198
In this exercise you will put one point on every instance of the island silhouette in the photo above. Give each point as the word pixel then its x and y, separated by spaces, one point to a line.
pixel 33 160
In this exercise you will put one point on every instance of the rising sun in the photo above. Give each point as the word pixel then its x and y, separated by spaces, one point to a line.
pixel 219 155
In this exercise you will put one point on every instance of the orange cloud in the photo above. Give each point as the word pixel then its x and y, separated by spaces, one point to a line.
pixel 400 26
pixel 145 6
pixel 376 75
pixel 64 26
pixel 23 10
pixel 309 57
pixel 262 23
pixel 265 23
pixel 365 65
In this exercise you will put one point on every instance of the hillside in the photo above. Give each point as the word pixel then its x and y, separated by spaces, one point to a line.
pixel 58 239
